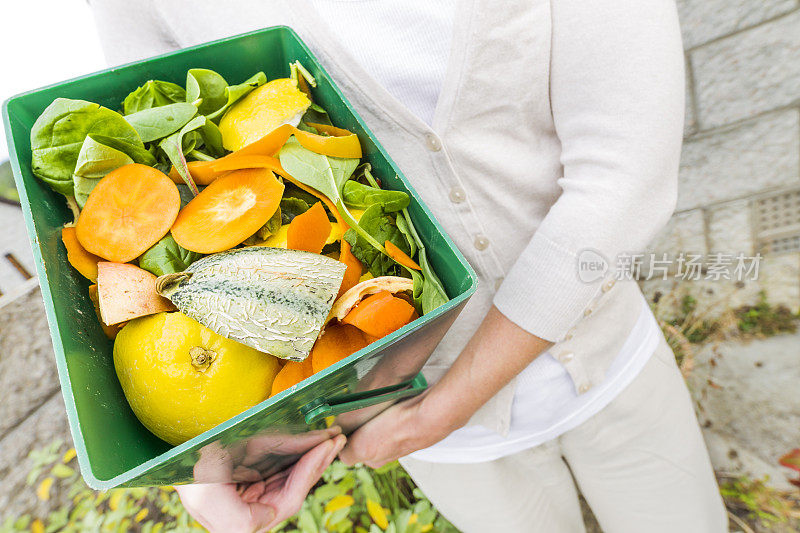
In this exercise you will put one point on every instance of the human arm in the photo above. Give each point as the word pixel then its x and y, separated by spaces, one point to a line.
pixel 616 80
pixel 498 351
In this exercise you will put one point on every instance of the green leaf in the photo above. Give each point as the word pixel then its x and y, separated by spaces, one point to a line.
pixel 428 292
pixel 58 134
pixel 381 227
pixel 95 160
pixel 167 257
pixel 360 196
pixel 234 93
pixel 154 93
pixel 208 85
pixel 291 207
pixel 317 115
pixel 173 147
pixel 135 151
pixel 157 122
pixel 310 168
pixel 212 139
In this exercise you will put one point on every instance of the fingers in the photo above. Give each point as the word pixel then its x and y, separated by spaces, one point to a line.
pixel 301 479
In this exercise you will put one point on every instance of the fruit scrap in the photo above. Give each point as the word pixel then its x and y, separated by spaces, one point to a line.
pixel 78 257
pixel 336 342
pixel 128 211
pixel 380 314
pixel 110 331
pixel 202 172
pixel 400 256
pixel 228 211
pixel 292 373
pixel 126 292
pixel 309 231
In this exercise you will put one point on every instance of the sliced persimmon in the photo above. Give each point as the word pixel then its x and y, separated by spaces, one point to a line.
pixel 128 211
pixel 78 257
pixel 379 314
pixel 202 172
pixel 309 231
pixel 336 342
pixel 354 268
pixel 292 373
pixel 228 211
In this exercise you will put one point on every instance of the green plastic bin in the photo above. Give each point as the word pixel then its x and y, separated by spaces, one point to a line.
pixel 114 449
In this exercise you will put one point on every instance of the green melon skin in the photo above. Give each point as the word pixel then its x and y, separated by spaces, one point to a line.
pixel 272 299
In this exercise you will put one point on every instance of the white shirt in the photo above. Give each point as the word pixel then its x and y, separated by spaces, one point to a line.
pixel 406 46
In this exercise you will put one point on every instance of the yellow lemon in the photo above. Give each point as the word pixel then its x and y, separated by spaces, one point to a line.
pixel 181 378
pixel 273 104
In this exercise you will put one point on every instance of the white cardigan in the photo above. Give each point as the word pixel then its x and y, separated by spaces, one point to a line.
pixel 558 129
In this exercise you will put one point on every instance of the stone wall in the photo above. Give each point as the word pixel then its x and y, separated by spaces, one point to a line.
pixel 742 146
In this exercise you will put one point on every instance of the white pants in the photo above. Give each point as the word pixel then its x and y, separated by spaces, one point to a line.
pixel 641 463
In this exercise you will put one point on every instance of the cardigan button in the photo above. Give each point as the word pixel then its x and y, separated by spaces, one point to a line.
pixel 584 387
pixel 481 242
pixel 433 143
pixel 566 357
pixel 457 195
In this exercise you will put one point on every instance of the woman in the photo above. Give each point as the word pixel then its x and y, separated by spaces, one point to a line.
pixel 543 134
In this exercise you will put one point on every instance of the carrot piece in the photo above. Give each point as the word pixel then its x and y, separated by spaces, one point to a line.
pixel 379 314
pixel 354 268
pixel 400 256
pixel 128 212
pixel 228 211
pixel 126 292
pixel 336 342
pixel 78 257
pixel 309 231
pixel 345 144
pixel 202 172
pixel 110 331
pixel 292 373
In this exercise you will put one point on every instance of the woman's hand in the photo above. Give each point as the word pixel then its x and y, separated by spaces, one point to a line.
pixel 498 351
pixel 398 431
pixel 259 506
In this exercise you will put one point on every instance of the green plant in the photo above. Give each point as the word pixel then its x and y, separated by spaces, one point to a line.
pixel 754 500
pixel 347 499
pixel 765 319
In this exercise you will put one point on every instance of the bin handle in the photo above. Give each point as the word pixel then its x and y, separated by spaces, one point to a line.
pixel 337 405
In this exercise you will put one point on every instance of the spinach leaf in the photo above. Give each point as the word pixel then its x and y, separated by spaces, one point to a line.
pixel 317 115
pixel 360 196
pixel 404 228
pixel 428 292
pixel 58 134
pixel 208 85
pixel 135 151
pixel 95 160
pixel 291 207
pixel 157 122
pixel 234 93
pixel 153 93
pixel 173 147
pixel 167 257
pixel 381 226
pixel 292 191
pixel 212 139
